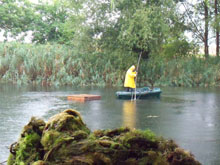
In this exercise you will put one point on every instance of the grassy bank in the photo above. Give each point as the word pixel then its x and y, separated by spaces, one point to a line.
pixel 62 65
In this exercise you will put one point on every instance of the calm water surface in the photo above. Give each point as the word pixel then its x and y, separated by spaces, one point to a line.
pixel 189 116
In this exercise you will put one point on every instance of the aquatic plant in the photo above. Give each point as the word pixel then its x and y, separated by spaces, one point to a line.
pixel 187 71
pixel 54 64
pixel 65 139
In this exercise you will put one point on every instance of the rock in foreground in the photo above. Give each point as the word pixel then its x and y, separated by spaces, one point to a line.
pixel 66 140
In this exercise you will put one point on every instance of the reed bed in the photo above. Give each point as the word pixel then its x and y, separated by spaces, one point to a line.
pixel 187 72
pixel 57 65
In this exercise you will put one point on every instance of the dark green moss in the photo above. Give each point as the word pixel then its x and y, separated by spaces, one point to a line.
pixel 65 139
pixel 11 159
pixel 28 149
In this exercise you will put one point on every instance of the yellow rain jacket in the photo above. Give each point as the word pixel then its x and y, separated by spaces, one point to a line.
pixel 129 78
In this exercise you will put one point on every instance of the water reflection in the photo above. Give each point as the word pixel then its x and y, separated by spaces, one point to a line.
pixel 129 114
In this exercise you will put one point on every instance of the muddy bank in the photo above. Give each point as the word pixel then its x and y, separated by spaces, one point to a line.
pixel 65 139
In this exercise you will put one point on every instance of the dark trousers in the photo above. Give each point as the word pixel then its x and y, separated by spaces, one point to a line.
pixel 128 89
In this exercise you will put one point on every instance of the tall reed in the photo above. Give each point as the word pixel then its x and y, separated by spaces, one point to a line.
pixel 62 65
pixel 188 72
pixel 57 65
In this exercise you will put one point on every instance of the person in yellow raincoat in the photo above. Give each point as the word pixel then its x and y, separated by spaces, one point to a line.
pixel 129 83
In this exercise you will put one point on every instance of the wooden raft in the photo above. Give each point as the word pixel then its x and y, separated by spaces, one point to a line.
pixel 84 97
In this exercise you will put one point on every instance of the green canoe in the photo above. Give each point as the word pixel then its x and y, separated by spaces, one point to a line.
pixel 141 93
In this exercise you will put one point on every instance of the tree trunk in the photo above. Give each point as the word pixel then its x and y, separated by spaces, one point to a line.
pixel 206 46
pixel 217 28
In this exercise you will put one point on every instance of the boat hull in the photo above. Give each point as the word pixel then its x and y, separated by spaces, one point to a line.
pixel 141 93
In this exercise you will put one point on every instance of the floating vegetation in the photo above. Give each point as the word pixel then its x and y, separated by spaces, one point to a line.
pixel 65 139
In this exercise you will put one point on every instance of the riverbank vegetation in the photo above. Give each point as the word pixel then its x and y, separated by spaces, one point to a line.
pixel 94 42
pixel 55 64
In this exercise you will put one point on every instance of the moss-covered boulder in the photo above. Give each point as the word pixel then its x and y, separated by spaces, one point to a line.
pixel 66 140
pixel 28 149
pixel 62 128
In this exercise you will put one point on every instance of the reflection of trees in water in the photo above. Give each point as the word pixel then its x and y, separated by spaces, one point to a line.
pixel 129 114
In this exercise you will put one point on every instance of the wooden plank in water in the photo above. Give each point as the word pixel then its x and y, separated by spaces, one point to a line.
pixel 84 97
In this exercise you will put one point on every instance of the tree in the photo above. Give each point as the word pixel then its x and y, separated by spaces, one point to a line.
pixel 134 26
pixel 126 26
pixel 15 16
pixel 47 21
pixel 216 26
pixel 206 16
pixel 199 17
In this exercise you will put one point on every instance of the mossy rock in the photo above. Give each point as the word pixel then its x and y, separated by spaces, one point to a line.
pixel 66 140
pixel 28 149
pixel 35 125
pixel 180 156
pixel 68 121
pixel 40 162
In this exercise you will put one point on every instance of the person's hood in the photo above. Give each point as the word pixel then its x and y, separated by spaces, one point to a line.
pixel 132 68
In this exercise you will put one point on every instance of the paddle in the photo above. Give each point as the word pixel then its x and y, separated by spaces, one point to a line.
pixel 136 76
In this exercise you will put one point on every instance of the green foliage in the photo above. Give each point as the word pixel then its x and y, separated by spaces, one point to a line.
pixel 52 65
pixel 177 48
pixel 188 71
pixel 52 21
pixel 114 28
pixel 141 26
pixel 15 16
pixel 56 65
pixel 61 65
pixel 145 30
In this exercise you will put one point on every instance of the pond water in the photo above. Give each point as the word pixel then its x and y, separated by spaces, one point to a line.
pixel 190 116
